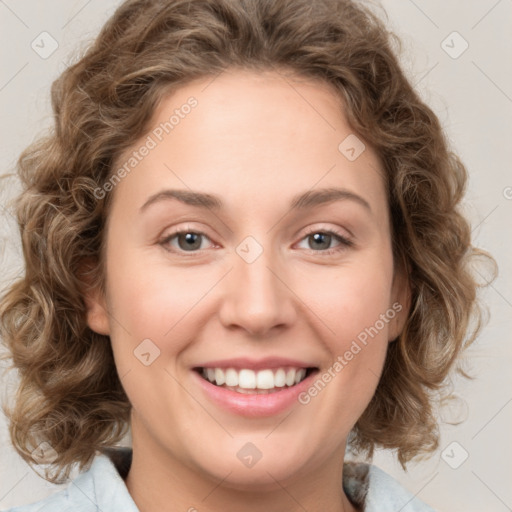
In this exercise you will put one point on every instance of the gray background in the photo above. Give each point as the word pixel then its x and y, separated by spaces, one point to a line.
pixel 472 95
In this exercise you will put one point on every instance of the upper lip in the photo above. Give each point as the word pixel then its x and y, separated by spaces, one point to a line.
pixel 255 364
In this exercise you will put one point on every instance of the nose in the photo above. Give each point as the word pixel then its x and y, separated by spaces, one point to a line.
pixel 257 298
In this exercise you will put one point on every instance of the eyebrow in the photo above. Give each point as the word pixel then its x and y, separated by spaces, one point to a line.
pixel 303 201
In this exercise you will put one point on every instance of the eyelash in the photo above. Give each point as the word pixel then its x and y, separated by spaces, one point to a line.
pixel 345 243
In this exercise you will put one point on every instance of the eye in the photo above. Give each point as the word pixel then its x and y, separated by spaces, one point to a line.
pixel 321 240
pixel 186 240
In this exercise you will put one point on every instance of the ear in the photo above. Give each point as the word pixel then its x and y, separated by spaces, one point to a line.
pixel 400 301
pixel 95 301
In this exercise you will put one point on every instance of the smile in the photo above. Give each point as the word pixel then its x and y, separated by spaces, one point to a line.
pixel 248 381
pixel 254 389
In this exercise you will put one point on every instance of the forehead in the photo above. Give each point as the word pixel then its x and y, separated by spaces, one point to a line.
pixel 253 138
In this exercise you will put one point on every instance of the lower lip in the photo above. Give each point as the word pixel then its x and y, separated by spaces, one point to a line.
pixel 254 405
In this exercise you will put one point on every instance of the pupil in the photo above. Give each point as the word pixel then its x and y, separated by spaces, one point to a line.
pixel 192 241
pixel 318 238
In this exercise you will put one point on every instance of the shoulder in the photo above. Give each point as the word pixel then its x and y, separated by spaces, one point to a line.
pixel 53 503
pixel 385 489
pixel 101 487
pixel 376 491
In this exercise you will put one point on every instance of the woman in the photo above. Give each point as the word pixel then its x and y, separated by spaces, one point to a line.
pixel 242 243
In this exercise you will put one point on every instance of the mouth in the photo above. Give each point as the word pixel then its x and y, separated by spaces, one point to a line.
pixel 255 382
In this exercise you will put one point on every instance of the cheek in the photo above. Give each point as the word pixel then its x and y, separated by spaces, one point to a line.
pixel 153 321
pixel 350 300
pixel 357 342
pixel 156 304
pixel 356 316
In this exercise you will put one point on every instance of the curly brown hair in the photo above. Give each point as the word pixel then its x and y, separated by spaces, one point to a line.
pixel 69 392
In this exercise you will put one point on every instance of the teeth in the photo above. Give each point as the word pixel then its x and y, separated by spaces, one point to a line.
pixel 246 379
pixel 220 378
pixel 280 378
pixel 265 379
pixel 231 377
pixel 299 376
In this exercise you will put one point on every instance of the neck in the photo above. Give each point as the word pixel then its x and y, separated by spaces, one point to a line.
pixel 160 481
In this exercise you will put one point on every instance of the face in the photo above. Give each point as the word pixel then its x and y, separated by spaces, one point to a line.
pixel 283 272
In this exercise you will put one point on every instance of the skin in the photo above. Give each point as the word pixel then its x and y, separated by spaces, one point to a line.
pixel 254 140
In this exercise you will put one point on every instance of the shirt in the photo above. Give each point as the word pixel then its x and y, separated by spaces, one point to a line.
pixel 102 489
